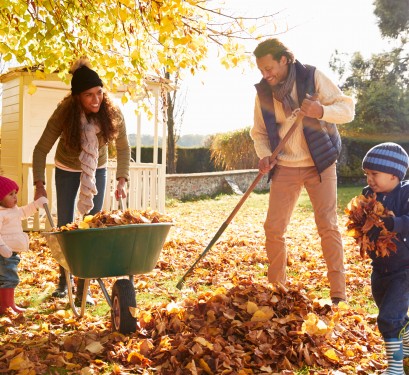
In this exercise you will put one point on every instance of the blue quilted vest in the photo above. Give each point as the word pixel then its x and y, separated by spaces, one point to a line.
pixel 323 139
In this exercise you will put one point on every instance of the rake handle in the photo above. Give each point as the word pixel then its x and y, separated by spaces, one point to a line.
pixel 297 117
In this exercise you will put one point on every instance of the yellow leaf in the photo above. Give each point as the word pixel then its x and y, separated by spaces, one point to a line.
pixel 330 354
pixel 268 311
pixel 69 355
pixel 259 316
pixel 203 365
pixel 88 218
pixel 251 307
pixel 31 89
pixel 40 75
pixel 19 362
pixel 202 341
pixel 313 325
pixel 133 311
pixel 124 99
pixel 349 353
pixel 83 225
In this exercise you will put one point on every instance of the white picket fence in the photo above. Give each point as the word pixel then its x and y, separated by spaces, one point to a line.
pixel 146 189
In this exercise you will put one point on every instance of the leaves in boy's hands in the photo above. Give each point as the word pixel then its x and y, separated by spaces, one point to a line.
pixel 365 213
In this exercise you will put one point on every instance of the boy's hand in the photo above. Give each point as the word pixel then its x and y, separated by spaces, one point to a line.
pixel 389 222
pixel 39 203
pixel 373 233
pixel 5 251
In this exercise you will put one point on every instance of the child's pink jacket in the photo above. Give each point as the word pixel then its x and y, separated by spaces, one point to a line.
pixel 11 230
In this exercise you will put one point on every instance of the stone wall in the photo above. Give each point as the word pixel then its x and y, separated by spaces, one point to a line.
pixel 191 185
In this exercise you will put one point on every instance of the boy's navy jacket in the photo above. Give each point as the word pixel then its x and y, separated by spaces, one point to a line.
pixel 398 202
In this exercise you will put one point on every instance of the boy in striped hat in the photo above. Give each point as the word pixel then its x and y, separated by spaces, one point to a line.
pixel 385 167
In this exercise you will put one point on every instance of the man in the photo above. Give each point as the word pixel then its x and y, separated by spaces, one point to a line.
pixel 308 158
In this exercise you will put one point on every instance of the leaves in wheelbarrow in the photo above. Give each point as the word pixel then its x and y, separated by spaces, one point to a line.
pixel 105 219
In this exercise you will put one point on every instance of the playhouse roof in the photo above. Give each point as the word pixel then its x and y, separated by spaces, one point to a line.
pixel 150 81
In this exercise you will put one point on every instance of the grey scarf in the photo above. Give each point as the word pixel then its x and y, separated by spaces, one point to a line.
pixel 282 91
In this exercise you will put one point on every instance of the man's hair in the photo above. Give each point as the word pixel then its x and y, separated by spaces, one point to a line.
pixel 274 48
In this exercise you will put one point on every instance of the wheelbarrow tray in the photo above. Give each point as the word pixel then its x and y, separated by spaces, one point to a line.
pixel 108 252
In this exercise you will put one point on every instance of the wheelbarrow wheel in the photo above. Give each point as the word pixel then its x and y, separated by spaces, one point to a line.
pixel 123 297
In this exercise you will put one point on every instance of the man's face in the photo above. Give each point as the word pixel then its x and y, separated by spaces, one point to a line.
pixel 273 71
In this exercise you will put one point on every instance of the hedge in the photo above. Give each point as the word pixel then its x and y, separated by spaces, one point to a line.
pixel 198 160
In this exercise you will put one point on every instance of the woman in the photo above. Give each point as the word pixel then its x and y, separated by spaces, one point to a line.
pixel 84 122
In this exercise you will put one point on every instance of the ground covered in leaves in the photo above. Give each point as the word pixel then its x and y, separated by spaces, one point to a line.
pixel 226 320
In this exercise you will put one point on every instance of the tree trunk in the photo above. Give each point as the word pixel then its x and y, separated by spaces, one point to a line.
pixel 171 149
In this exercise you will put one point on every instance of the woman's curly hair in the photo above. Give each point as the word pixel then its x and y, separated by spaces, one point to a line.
pixel 69 114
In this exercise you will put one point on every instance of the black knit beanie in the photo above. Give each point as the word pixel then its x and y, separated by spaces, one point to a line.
pixel 84 79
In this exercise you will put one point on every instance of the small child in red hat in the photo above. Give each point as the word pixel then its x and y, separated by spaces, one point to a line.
pixel 12 240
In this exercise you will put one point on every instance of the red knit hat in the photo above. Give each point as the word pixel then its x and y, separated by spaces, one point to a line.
pixel 6 186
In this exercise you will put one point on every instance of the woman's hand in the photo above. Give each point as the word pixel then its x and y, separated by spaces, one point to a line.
pixel 120 191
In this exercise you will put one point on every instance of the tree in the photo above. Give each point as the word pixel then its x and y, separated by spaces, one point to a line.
pixel 381 83
pixel 393 16
pixel 128 40
pixel 380 86
pixel 175 113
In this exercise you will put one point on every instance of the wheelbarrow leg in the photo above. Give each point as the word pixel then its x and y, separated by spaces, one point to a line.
pixel 105 292
pixel 84 296
pixel 78 313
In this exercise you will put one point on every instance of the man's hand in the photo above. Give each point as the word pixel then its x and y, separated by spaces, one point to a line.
pixel 311 107
pixel 265 165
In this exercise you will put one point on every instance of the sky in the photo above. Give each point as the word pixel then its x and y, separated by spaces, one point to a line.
pixel 221 100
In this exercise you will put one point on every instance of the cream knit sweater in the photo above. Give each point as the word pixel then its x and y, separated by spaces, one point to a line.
pixel 63 156
pixel 338 109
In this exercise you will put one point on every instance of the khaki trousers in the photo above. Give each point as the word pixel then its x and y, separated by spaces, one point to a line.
pixel 286 186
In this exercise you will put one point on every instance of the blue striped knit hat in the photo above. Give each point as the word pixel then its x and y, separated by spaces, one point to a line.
pixel 388 158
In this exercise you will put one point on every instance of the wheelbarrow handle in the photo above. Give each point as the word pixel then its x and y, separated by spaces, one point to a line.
pixel 297 117
pixel 49 217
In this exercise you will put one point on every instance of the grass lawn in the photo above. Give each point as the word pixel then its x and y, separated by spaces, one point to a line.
pixel 233 269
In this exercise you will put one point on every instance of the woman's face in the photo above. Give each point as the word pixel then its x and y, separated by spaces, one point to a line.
pixel 10 200
pixel 91 99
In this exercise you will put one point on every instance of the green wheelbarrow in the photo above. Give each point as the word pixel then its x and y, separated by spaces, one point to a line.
pixel 123 250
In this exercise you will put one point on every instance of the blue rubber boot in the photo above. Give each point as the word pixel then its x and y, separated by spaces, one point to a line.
pixel 394 354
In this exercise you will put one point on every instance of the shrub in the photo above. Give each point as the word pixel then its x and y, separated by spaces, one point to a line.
pixel 234 150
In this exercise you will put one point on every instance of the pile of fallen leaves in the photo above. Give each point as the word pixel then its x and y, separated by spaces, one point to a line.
pixel 106 219
pixel 253 328
pixel 248 329
pixel 363 214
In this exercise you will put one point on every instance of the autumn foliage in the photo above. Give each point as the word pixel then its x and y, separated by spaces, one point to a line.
pixel 106 219
pixel 226 320
pixel 364 213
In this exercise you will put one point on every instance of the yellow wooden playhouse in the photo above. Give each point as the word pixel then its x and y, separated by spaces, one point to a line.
pixel 23 120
